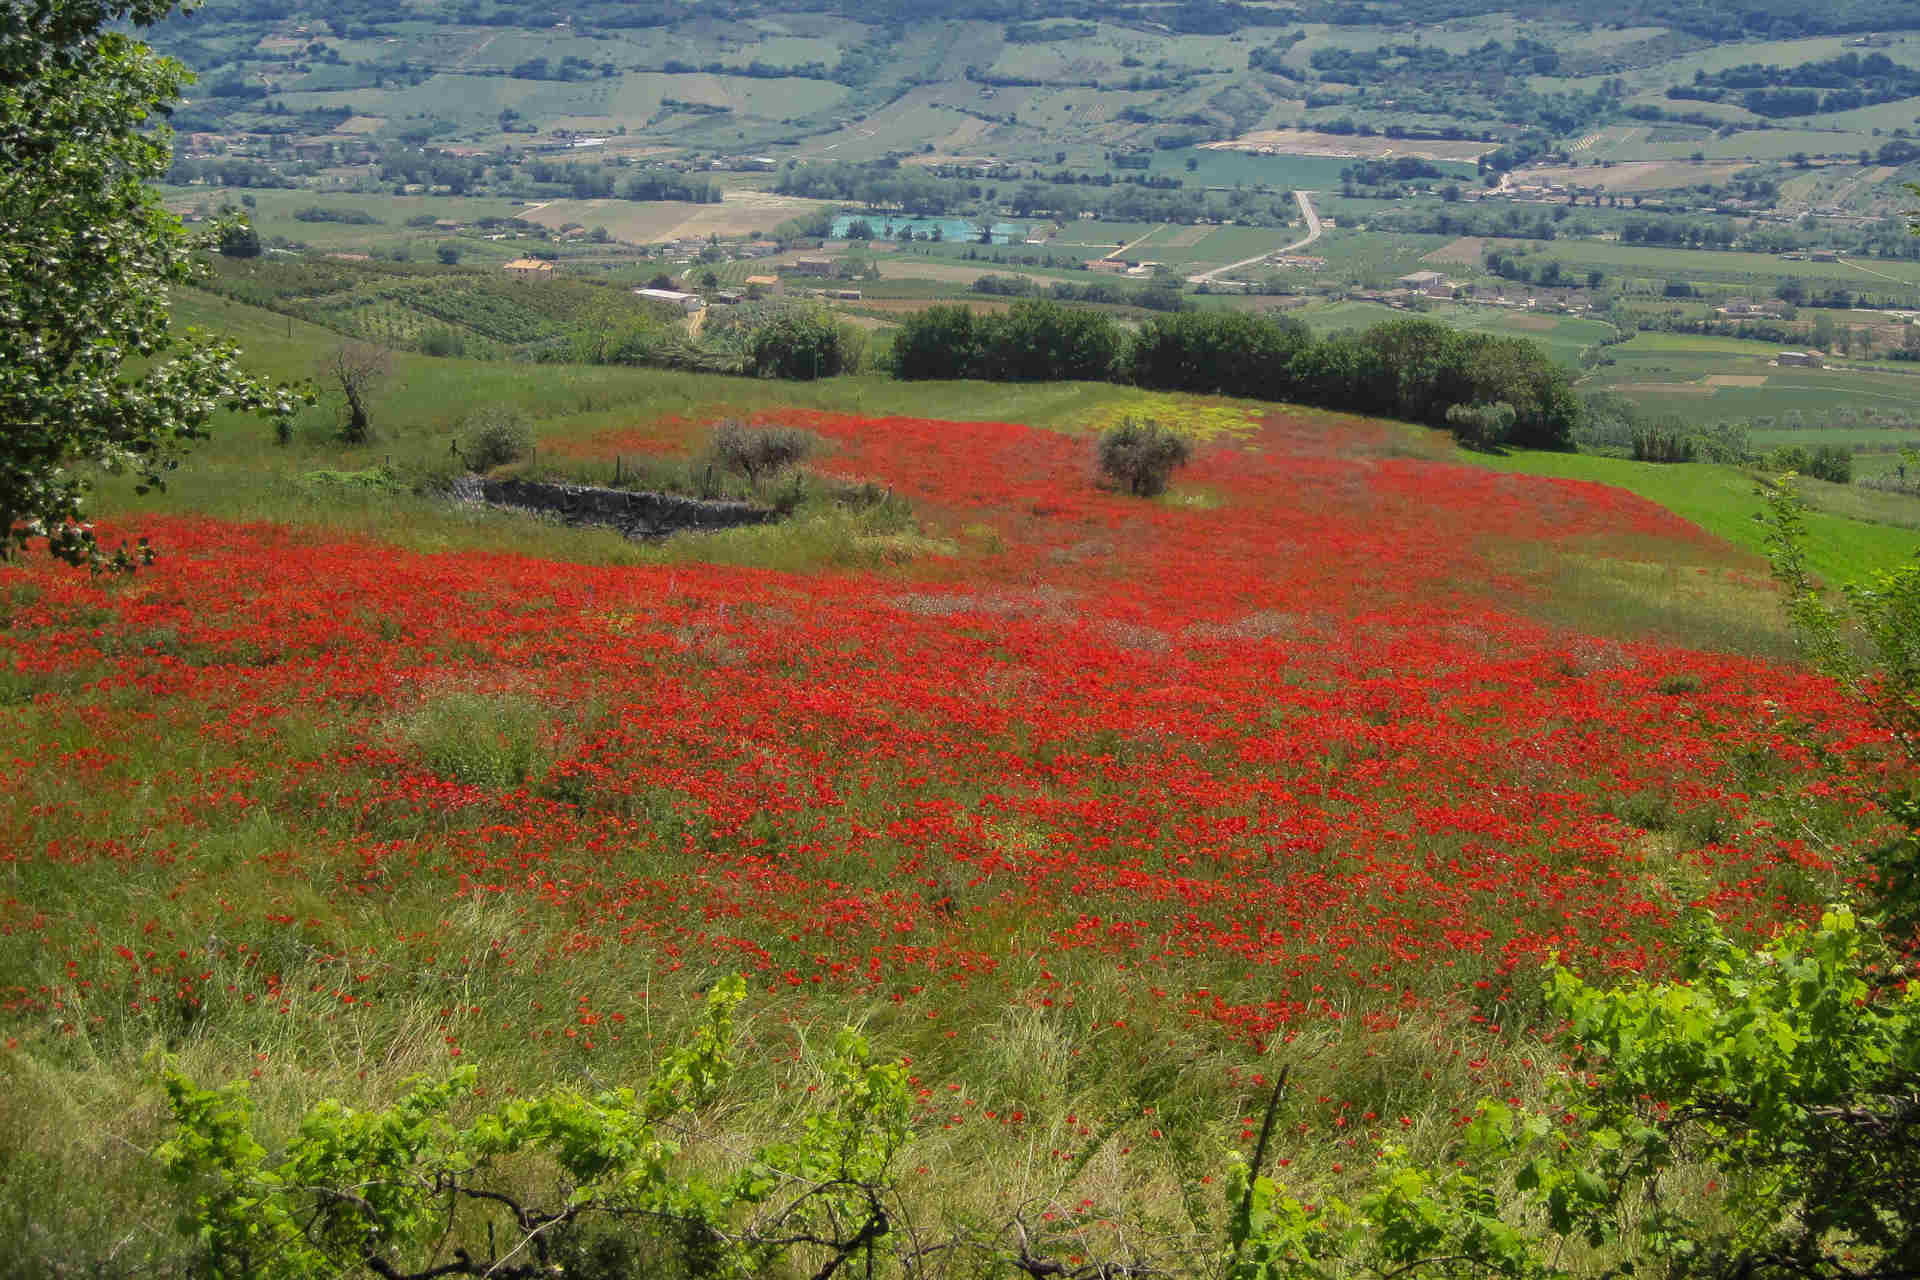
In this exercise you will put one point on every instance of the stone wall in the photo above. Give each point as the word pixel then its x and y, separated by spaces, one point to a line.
pixel 637 515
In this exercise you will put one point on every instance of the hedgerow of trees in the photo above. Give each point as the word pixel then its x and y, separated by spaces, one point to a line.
pixel 1414 369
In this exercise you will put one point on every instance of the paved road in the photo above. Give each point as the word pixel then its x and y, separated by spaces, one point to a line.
pixel 1313 233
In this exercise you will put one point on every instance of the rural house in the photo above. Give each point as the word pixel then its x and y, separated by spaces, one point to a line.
pixel 529 269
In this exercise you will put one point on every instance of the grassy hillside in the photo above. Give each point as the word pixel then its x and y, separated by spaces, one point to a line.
pixel 1095 809
pixel 421 408
pixel 1851 532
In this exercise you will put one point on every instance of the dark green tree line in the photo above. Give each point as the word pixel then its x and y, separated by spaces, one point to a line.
pixel 1412 368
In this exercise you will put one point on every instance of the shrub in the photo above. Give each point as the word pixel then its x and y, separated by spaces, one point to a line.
pixel 443 343
pixel 1481 426
pixel 1141 456
pixel 854 343
pixel 758 451
pixel 1663 444
pixel 1790 457
pixel 1218 351
pixel 1782 1077
pixel 799 343
pixel 393 1191
pixel 939 342
pixel 1830 462
pixel 494 437
pixel 1833 463
pixel 1045 342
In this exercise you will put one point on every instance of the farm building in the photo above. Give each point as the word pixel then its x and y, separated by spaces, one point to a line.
pixel 1804 359
pixel 1106 264
pixel 529 269
pixel 765 282
pixel 1419 280
pixel 813 267
pixel 687 302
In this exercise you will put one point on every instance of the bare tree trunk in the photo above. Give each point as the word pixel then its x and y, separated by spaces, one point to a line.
pixel 358 428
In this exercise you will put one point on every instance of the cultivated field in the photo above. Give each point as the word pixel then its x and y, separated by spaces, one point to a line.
pixel 1634 176
pixel 1307 142
pixel 739 213
pixel 1707 379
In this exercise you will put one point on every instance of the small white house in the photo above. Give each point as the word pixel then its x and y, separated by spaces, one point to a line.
pixel 687 302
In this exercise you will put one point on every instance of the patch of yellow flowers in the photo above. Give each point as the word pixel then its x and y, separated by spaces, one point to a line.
pixel 1197 419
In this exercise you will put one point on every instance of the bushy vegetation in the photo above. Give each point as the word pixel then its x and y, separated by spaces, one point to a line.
pixel 802 343
pixel 1140 456
pixel 494 436
pixel 433 1186
pixel 759 452
pixel 1033 341
pixel 1750 1119
pixel 1837 84
pixel 1783 1076
pixel 1830 462
pixel 1663 444
pixel 1481 426
pixel 1413 369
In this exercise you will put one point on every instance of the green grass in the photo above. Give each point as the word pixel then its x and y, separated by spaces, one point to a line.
pixel 273 209
pixel 1223 168
pixel 1665 373
pixel 1844 543
pixel 419 410
pixel 1727 267
pixel 74 1105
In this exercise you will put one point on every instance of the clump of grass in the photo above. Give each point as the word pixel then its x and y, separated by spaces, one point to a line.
pixel 491 740
pixel 380 480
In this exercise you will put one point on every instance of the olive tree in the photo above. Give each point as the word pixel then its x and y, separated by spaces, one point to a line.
pixel 759 451
pixel 1140 456
pixel 93 378
pixel 356 368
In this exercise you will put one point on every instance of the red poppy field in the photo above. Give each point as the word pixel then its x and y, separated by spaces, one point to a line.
pixel 1097 812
